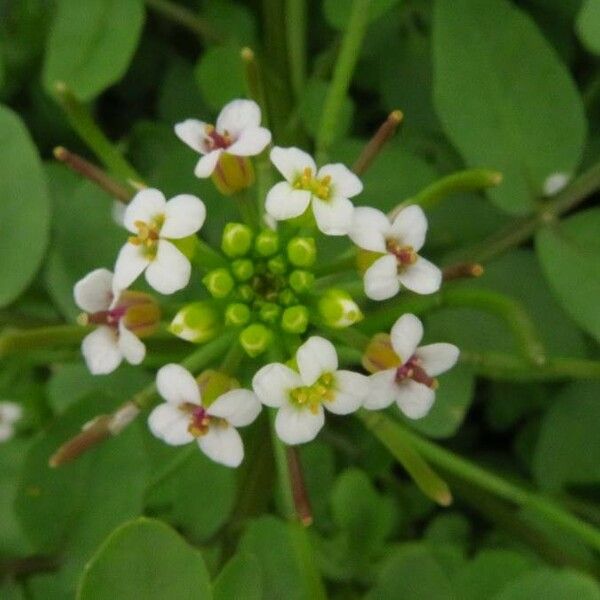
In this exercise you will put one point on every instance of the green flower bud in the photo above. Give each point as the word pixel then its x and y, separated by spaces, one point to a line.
pixel 338 309
pixel 267 242
pixel 233 174
pixel 301 281
pixel 287 298
pixel 269 312
pixel 277 265
pixel 197 322
pixel 302 251
pixel 242 269
pixel 295 319
pixel 218 282
pixel 255 339
pixel 237 314
pixel 236 240
pixel 245 293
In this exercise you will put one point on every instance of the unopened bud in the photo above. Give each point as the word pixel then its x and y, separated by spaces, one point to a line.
pixel 287 298
pixel 269 312
pixel 267 242
pixel 197 322
pixel 295 319
pixel 338 309
pixel 302 251
pixel 277 265
pixel 214 384
pixel 379 354
pixel 219 282
pixel 233 174
pixel 242 269
pixel 142 313
pixel 245 293
pixel 236 240
pixel 255 339
pixel 301 281
pixel 237 314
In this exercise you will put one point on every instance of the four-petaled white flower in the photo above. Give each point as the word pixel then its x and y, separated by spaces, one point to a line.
pixel 156 221
pixel 10 413
pixel 301 396
pixel 237 132
pixel 327 190
pixel 112 341
pixel 183 418
pixel 410 378
pixel 399 243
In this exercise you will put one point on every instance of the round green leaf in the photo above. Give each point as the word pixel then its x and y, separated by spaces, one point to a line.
pixel 24 208
pixel 91 44
pixel 588 25
pixel 240 578
pixel 492 68
pixel 145 559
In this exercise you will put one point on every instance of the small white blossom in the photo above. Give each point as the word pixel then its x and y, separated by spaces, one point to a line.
pixel 154 221
pixel 237 132
pixel 301 395
pixel 326 190
pixel 10 413
pixel 399 243
pixel 184 418
pixel 555 183
pixel 111 342
pixel 411 382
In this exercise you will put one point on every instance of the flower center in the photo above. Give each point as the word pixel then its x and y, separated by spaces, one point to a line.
pixel 405 255
pixel 216 140
pixel 148 234
pixel 200 420
pixel 412 369
pixel 104 317
pixel 313 396
pixel 318 187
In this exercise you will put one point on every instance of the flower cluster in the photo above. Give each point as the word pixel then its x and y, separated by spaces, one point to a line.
pixel 263 285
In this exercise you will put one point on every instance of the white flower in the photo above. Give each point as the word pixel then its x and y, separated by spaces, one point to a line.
pixel 156 221
pixel 555 183
pixel 327 190
pixel 237 132
pixel 301 396
pixel 411 381
pixel 112 341
pixel 10 413
pixel 399 243
pixel 183 418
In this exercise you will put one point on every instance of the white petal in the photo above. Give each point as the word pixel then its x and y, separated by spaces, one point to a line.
pixel 369 229
pixel 170 270
pixel 334 216
pixel 131 261
pixel 406 335
pixel 145 206
pixel 291 162
pixel 382 390
pixel 252 141
pixel 7 431
pixel 315 357
pixel 117 212
pixel 438 358
pixel 343 181
pixel 10 412
pixel 130 345
pixel 410 227
pixel 381 278
pixel 93 293
pixel 192 132
pixel 206 165
pixel 422 277
pixel 272 384
pixel 223 445
pixel 414 399
pixel 170 424
pixel 184 215
pixel 100 351
pixel 237 116
pixel 351 391
pixel 298 425
pixel 177 385
pixel 284 202
pixel 240 407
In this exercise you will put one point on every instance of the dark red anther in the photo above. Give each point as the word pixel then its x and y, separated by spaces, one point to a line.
pixel 411 369
pixel 219 141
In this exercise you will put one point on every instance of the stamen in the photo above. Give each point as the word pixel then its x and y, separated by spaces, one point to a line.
pixel 405 255
pixel 217 140
pixel 412 369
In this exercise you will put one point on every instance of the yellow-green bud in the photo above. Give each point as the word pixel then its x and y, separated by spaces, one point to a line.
pixel 301 281
pixel 302 251
pixel 295 319
pixel 338 309
pixel 267 242
pixel 214 384
pixel 269 312
pixel 236 240
pixel 218 282
pixel 245 293
pixel 277 265
pixel 197 322
pixel 287 298
pixel 242 269
pixel 237 314
pixel 233 174
pixel 255 339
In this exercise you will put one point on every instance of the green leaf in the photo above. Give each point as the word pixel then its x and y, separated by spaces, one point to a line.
pixel 24 209
pixel 337 12
pixel 233 20
pixel 551 585
pixel 91 44
pixel 568 447
pixel 449 528
pixel 569 252
pixel 145 559
pixel 491 68
pixel 240 578
pixel 588 25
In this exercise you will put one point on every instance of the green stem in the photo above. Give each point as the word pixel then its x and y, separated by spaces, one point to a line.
pixel 206 258
pixel 232 359
pixel 345 262
pixel 82 121
pixel 342 74
pixel 26 340
pixel 296 43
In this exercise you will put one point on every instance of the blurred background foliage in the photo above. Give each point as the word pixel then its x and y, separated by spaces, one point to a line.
pixel 509 85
